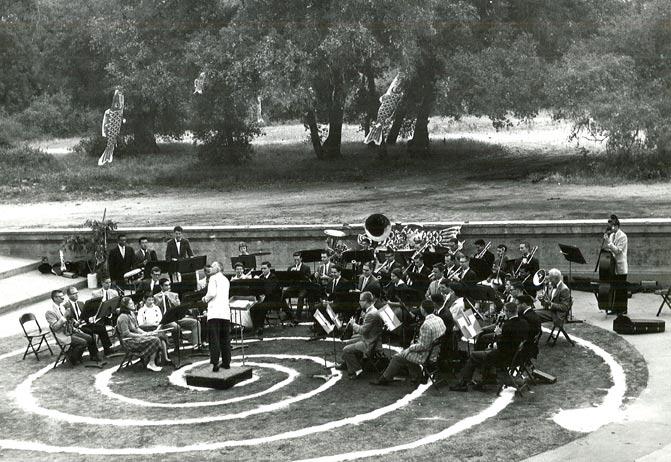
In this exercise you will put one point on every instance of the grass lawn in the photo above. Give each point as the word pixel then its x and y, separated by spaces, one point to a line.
pixel 473 173
pixel 583 380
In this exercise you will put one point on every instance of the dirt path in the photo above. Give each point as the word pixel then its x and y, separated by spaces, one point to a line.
pixel 352 203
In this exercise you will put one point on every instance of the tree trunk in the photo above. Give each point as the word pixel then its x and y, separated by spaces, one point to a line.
pixel 395 128
pixel 333 141
pixel 420 139
pixel 371 100
pixel 311 124
pixel 142 130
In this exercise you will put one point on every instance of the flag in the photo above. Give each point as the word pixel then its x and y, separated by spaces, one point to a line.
pixel 465 319
pixel 321 319
pixel 389 318
pixel 333 316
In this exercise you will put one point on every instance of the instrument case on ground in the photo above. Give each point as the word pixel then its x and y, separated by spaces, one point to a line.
pixel 626 325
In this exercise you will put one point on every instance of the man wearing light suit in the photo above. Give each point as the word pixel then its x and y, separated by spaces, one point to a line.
pixel 366 336
pixel 166 300
pixel 438 277
pixel 61 321
pixel 616 242
pixel 556 301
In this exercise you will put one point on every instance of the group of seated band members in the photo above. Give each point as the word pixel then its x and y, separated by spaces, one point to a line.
pixel 419 285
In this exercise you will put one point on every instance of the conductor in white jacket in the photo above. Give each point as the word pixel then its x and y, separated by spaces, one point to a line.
pixel 218 318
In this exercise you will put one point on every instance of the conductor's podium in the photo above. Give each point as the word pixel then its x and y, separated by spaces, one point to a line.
pixel 203 376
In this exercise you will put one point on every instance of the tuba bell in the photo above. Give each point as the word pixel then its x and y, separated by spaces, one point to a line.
pixel 377 227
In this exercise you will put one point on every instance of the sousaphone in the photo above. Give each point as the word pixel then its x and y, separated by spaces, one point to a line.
pixel 377 227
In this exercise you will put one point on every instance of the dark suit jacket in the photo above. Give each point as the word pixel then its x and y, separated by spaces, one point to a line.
pixel 144 257
pixel 529 268
pixel 372 285
pixel 513 332
pixel 271 289
pixel 305 269
pixel 76 313
pixel 470 276
pixel 184 250
pixel 533 322
pixel 119 265
pixel 145 286
pixel 343 285
pixel 425 271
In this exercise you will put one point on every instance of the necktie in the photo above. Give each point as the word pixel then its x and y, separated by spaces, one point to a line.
pixel 165 303
pixel 104 295
pixel 334 284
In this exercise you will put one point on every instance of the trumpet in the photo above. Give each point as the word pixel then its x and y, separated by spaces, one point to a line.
pixel 452 273
pixel 482 254
pixel 525 261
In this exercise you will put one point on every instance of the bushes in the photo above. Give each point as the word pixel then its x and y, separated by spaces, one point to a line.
pixel 17 162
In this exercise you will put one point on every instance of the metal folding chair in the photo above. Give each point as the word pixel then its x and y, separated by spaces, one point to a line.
pixel 34 335
pixel 666 299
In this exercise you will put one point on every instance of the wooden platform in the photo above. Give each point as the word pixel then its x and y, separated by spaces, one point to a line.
pixel 204 377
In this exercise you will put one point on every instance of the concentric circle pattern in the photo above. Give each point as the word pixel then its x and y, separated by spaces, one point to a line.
pixel 296 406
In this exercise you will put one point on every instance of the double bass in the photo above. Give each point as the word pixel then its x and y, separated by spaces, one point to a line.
pixel 606 266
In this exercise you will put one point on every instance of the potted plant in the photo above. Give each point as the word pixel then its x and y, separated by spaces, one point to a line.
pixel 92 246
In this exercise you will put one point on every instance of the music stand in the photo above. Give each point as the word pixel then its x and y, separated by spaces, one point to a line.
pixel 248 261
pixel 174 314
pixel 247 287
pixel 91 307
pixel 311 256
pixel 241 319
pixel 106 308
pixel 481 267
pixel 191 265
pixel 572 255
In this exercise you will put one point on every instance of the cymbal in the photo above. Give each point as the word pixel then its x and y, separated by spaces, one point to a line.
pixel 334 233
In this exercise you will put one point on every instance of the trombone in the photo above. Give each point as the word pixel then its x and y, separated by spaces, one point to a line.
pixel 523 262
pixel 484 251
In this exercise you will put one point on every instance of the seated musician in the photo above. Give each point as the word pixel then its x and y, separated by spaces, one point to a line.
pixel 396 281
pixel 465 274
pixel 438 277
pixel 365 244
pixel 526 267
pixel 384 269
pixel 525 305
pixel 201 283
pixel 416 354
pixel 366 336
pixel 452 247
pixel 418 267
pixel 509 336
pixel 149 346
pixel 300 291
pixel 443 305
pixel 150 315
pixel 166 300
pixel 501 269
pixel 107 291
pixel 367 282
pixel 556 299
pixel 242 248
pixel 240 272
pixel 87 326
pixel 487 256
pixel 338 285
pixel 152 285
pixel 61 322
pixel 323 273
pixel 269 300
pixel 446 291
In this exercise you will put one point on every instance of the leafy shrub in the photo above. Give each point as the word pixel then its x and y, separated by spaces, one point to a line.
pixel 25 157
pixel 54 115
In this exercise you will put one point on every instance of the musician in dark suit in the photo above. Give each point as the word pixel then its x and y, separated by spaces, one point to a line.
pixel 301 291
pixel 88 326
pixel 144 254
pixel 120 260
pixel 508 339
pixel 337 285
pixel 418 266
pixel 323 273
pixel 502 266
pixel 525 308
pixel 466 274
pixel 487 256
pixel 367 282
pixel 556 299
pixel 395 283
pixel 165 300
pixel 151 286
pixel 178 247
pixel 270 299
pixel 384 269
pixel 528 266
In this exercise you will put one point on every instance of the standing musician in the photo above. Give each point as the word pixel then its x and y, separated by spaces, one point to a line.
pixel 501 267
pixel 417 266
pixel 452 246
pixel 120 260
pixel 144 254
pixel 242 248
pixel 616 242
pixel 178 247
pixel 483 254
pixel 438 277
pixel 299 292
pixel 528 266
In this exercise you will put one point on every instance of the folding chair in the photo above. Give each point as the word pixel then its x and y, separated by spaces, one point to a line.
pixel 557 329
pixel 128 358
pixel 375 358
pixel 514 372
pixel 430 365
pixel 666 299
pixel 64 350
pixel 34 335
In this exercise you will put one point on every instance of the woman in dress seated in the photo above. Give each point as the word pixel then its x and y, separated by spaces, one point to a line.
pixel 147 345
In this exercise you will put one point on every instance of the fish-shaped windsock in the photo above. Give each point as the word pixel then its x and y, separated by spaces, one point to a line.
pixel 111 127
pixel 385 114
pixel 199 83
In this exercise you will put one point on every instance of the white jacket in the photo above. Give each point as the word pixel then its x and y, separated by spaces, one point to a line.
pixel 217 297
